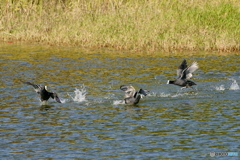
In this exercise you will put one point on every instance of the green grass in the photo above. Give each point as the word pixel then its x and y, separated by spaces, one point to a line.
pixel 133 25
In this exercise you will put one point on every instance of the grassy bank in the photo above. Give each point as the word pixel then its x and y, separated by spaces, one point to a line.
pixel 140 25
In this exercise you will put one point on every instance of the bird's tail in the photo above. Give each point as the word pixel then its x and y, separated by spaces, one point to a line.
pixel 170 82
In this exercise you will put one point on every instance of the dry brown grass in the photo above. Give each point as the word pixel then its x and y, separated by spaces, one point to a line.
pixel 124 24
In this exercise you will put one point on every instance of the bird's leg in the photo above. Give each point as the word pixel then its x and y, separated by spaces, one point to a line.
pixel 183 88
pixel 194 89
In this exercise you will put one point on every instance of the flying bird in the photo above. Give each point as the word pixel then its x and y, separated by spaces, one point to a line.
pixel 184 74
pixel 131 96
pixel 44 93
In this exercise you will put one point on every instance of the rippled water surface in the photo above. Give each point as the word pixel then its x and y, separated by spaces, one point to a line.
pixel 93 123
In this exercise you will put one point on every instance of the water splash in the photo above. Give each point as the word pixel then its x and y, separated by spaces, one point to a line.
pixel 116 102
pixel 180 94
pixel 63 100
pixel 220 88
pixel 44 103
pixel 109 95
pixel 79 94
pixel 234 85
pixel 152 94
pixel 164 94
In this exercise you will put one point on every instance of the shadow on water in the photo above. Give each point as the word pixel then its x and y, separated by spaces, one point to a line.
pixel 94 123
pixel 45 107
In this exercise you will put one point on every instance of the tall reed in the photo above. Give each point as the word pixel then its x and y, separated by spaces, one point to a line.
pixel 135 25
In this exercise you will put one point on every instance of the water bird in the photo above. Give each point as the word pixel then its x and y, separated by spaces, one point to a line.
pixel 184 74
pixel 44 93
pixel 131 96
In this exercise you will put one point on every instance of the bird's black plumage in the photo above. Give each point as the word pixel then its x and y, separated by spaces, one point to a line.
pixel 44 94
pixel 184 73
pixel 131 96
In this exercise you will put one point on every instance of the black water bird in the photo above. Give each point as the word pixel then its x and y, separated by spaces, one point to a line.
pixel 184 74
pixel 131 96
pixel 44 93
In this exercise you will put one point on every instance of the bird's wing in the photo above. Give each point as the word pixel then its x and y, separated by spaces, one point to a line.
pixel 180 69
pixel 124 88
pixel 55 96
pixel 129 90
pixel 194 66
pixel 187 73
pixel 36 87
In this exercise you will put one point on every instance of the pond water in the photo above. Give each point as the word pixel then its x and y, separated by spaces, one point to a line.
pixel 94 123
